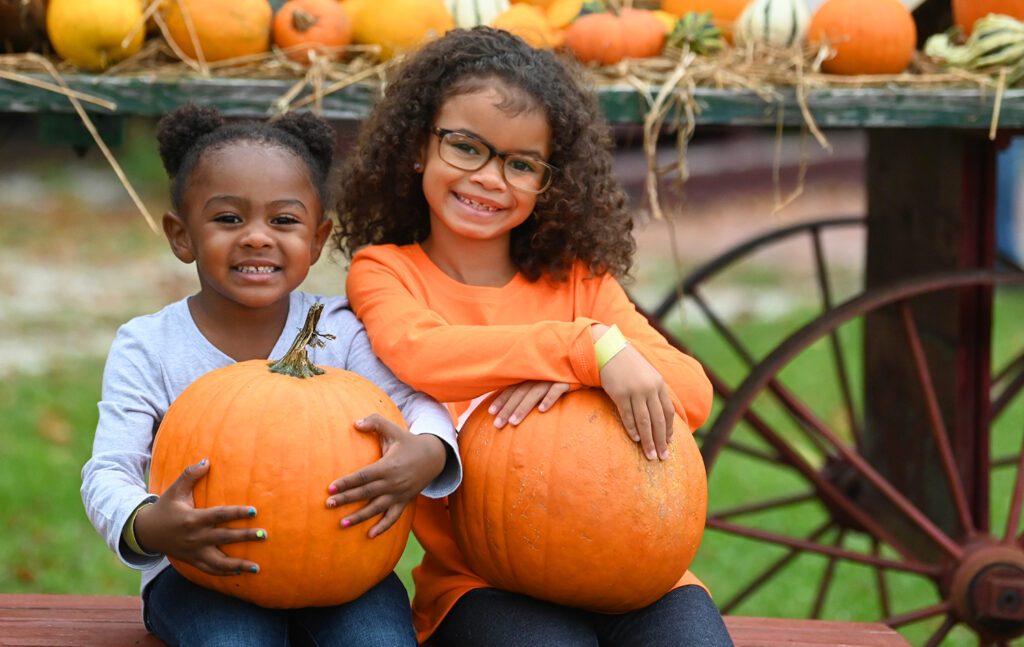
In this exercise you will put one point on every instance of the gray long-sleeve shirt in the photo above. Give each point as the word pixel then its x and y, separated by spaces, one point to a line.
pixel 154 357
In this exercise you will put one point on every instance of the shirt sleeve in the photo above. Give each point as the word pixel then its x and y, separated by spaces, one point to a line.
pixel 454 362
pixel 423 414
pixel 114 478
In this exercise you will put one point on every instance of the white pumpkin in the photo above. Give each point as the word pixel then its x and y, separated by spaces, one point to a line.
pixel 779 22
pixel 470 13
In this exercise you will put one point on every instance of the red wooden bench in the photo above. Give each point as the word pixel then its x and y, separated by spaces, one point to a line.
pixel 34 620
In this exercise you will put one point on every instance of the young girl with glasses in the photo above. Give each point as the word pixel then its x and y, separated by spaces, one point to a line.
pixel 486 230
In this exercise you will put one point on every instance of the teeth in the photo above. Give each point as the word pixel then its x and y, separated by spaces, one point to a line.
pixel 252 269
pixel 474 204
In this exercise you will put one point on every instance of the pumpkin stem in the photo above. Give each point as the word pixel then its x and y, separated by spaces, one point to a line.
pixel 303 20
pixel 296 361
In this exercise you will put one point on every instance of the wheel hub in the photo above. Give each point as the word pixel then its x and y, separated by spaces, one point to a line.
pixel 987 590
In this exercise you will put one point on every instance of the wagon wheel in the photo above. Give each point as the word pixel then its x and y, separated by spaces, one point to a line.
pixel 819 498
pixel 810 240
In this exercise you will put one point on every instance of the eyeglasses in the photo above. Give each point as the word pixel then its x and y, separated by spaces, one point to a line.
pixel 470 153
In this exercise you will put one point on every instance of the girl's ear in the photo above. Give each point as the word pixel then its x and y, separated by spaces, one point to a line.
pixel 177 236
pixel 323 231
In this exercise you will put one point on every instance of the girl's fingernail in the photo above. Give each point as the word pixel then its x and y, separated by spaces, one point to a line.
pixel 261 534
pixel 664 456
pixel 252 512
pixel 514 420
pixel 651 455
pixel 333 489
pixel 238 572
pixel 345 523
pixel 493 409
pixel 499 423
pixel 360 423
pixel 254 569
pixel 203 462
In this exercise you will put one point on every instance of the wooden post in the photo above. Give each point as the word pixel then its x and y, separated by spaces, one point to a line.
pixel 930 208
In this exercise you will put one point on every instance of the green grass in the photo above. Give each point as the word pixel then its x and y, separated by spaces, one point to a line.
pixel 49 546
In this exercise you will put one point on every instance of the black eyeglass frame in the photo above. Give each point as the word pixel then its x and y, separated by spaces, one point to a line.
pixel 494 152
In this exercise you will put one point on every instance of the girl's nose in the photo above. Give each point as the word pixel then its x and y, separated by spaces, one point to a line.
pixel 256 235
pixel 491 175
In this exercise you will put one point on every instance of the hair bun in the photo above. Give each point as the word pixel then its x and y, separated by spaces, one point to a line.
pixel 313 131
pixel 180 129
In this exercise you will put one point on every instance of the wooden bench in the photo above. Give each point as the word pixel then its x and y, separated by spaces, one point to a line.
pixel 36 620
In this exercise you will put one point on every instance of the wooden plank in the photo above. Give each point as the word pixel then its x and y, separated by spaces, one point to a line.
pixel 116 621
pixel 876 107
pixel 775 632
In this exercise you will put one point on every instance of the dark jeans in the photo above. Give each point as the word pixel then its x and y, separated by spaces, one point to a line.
pixel 183 613
pixel 491 618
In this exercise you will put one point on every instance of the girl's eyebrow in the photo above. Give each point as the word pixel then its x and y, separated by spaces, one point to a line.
pixel 518 151
pixel 283 203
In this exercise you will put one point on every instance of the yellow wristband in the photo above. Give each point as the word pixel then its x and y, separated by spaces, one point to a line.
pixel 609 345
pixel 128 534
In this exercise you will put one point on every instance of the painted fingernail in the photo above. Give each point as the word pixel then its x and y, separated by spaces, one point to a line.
pixel 333 489
pixel 252 512
pixel 330 503
pixel 345 523
pixel 203 462
pixel 254 569
pixel 261 534
pixel 360 423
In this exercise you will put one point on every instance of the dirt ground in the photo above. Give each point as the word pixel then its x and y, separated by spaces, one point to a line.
pixel 78 258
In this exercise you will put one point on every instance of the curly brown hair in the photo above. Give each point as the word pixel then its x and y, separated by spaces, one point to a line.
pixel 582 216
pixel 189 131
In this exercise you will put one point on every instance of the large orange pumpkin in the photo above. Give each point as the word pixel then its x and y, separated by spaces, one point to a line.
pixel 606 38
pixel 301 26
pixel 223 29
pixel 868 36
pixel 724 12
pixel 276 441
pixel 566 508
pixel 967 12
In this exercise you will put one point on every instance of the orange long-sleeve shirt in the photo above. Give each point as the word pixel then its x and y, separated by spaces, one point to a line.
pixel 457 342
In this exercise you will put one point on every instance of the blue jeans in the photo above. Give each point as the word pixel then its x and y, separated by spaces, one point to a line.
pixel 492 618
pixel 183 613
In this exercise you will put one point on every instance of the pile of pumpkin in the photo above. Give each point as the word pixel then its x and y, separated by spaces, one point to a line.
pixel 865 36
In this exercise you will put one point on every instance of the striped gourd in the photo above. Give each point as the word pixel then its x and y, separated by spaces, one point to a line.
pixel 779 22
pixel 469 13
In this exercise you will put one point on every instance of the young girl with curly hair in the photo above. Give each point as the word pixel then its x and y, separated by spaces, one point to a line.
pixel 486 230
pixel 248 209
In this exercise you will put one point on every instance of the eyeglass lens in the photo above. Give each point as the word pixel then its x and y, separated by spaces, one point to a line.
pixel 469 154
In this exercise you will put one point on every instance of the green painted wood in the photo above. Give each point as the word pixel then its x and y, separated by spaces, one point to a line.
pixel 886 107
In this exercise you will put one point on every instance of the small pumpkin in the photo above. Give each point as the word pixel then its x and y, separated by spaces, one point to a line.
pixel 223 29
pixel 724 12
pixel 868 36
pixel 301 26
pixel 565 507
pixel 397 26
pixel 90 33
pixel 967 12
pixel 470 13
pixel 22 25
pixel 777 22
pixel 275 441
pixel 605 38
pixel 530 23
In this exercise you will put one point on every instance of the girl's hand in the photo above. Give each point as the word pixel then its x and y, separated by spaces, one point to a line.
pixel 643 401
pixel 175 527
pixel 514 403
pixel 410 462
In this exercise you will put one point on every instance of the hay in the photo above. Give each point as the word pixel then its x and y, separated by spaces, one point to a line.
pixel 668 83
